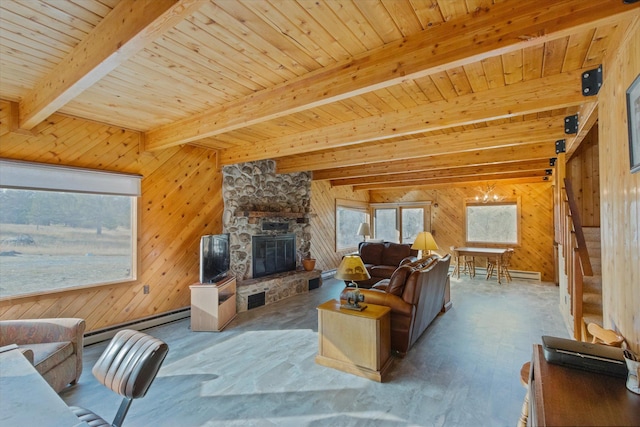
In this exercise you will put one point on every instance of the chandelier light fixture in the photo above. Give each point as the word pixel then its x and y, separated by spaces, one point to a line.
pixel 487 195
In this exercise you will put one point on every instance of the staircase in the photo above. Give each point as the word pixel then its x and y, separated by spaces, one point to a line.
pixel 592 285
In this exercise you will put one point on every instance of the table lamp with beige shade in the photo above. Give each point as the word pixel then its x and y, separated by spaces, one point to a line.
pixel 352 268
pixel 364 230
pixel 424 242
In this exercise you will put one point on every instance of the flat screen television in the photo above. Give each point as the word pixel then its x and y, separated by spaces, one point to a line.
pixel 214 258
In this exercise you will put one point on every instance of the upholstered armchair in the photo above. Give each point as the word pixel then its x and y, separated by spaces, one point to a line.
pixel 54 346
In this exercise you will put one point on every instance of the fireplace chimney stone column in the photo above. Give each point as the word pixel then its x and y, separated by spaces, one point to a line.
pixel 258 201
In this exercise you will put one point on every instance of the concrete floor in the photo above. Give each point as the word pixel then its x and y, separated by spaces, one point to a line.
pixel 260 371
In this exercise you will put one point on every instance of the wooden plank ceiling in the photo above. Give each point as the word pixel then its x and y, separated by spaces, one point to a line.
pixel 367 93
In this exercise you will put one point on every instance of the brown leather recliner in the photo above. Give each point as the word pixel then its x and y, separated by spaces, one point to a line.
pixel 382 258
pixel 415 294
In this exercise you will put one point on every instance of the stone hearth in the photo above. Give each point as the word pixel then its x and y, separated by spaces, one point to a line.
pixel 275 287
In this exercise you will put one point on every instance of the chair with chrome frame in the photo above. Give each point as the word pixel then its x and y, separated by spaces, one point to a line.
pixel 127 366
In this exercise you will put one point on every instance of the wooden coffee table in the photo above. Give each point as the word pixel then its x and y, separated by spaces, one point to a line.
pixel 356 342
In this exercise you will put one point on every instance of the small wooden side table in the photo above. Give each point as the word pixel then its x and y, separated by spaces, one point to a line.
pixel 356 342
pixel 213 305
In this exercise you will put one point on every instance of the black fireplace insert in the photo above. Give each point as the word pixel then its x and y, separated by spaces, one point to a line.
pixel 273 254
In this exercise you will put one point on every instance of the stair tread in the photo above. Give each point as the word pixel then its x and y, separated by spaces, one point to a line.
pixel 592 318
pixel 592 297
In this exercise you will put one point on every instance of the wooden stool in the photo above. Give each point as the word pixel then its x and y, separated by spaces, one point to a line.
pixel 524 380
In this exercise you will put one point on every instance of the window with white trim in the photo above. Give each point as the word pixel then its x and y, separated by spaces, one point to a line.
pixel 393 222
pixel 493 222
pixel 349 216
pixel 63 227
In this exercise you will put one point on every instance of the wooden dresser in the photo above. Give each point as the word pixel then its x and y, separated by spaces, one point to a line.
pixel 560 396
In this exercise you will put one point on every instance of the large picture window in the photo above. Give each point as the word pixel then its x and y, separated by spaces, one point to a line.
pixel 349 216
pixel 63 228
pixel 493 223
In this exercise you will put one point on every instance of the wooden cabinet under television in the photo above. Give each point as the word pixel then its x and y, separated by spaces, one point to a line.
pixel 213 305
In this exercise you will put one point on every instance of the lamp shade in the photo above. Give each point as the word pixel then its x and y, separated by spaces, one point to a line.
pixel 364 229
pixel 425 242
pixel 352 268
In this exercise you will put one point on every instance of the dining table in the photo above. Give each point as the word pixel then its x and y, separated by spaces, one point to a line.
pixel 480 252
pixel 26 399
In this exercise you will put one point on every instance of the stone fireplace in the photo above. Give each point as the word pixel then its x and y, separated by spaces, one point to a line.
pixel 258 202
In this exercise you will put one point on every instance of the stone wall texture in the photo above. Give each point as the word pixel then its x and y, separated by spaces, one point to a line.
pixel 256 187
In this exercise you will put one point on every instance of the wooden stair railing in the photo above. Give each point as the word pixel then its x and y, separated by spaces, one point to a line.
pixel 576 301
pixel 578 262
pixel 577 227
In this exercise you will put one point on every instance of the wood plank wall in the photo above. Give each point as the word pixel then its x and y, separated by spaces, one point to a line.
pixel 583 171
pixel 323 225
pixel 181 200
pixel 620 194
pixel 447 220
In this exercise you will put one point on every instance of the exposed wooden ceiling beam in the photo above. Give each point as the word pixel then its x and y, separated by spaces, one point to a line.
pixel 535 176
pixel 501 28
pixel 467 171
pixel 442 184
pixel 587 117
pixel 547 93
pixel 514 133
pixel 126 30
pixel 524 152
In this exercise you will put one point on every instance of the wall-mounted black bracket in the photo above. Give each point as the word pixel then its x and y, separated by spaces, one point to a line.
pixel 548 171
pixel 571 124
pixel 592 81
pixel 560 146
pixel 552 161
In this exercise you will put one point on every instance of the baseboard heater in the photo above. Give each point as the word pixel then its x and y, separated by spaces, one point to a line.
pixel 104 334
pixel 328 274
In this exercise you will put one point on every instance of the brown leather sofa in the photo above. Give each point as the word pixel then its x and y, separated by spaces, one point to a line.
pixel 382 258
pixel 53 346
pixel 415 293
